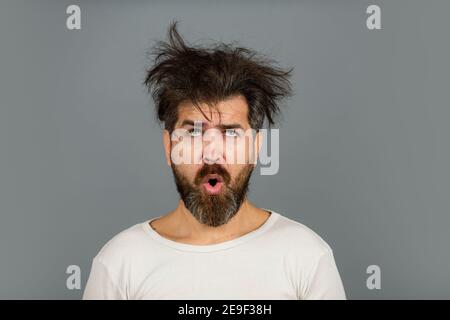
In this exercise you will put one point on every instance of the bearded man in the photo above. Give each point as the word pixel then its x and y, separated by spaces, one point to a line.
pixel 216 244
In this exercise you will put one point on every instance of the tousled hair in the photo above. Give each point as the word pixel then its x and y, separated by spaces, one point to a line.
pixel 212 74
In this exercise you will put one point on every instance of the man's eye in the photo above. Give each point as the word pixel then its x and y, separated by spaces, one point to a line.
pixel 194 132
pixel 231 133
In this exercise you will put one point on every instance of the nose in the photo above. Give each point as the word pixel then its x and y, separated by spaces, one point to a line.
pixel 211 161
pixel 211 154
pixel 213 150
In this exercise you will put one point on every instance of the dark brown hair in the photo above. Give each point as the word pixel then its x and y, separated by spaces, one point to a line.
pixel 212 74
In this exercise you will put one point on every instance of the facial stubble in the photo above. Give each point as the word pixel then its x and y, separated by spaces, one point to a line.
pixel 213 210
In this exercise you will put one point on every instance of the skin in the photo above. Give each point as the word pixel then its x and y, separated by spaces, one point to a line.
pixel 179 225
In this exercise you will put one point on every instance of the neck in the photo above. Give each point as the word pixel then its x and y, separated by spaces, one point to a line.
pixel 247 219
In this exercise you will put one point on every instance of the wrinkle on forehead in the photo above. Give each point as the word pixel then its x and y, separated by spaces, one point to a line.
pixel 233 109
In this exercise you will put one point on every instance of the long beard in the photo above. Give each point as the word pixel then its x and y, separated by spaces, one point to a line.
pixel 213 210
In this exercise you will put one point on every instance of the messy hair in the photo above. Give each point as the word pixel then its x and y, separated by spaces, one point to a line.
pixel 199 74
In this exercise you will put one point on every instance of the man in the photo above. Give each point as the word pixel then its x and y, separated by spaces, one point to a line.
pixel 216 244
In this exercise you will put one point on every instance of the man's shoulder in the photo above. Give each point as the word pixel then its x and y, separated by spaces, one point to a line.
pixel 124 244
pixel 300 238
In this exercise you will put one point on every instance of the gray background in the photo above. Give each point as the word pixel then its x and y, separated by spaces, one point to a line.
pixel 364 159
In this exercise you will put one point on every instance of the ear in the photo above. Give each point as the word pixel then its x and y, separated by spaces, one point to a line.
pixel 167 146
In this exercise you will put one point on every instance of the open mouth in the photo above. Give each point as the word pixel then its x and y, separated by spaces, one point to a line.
pixel 212 183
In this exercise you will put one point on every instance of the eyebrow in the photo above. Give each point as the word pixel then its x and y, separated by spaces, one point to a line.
pixel 220 126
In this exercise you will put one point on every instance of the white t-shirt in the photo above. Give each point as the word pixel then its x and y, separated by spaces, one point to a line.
pixel 282 259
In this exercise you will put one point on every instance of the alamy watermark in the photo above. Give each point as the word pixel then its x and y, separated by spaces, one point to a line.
pixel 228 146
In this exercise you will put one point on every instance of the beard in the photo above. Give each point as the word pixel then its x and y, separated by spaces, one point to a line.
pixel 213 210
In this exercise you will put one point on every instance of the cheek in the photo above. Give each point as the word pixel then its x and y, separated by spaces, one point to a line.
pixel 189 171
pixel 234 170
pixel 239 151
pixel 186 151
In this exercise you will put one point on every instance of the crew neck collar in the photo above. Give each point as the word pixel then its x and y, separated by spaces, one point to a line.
pixel 210 247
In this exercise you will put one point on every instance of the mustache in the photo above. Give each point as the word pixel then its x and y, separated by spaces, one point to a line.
pixel 212 169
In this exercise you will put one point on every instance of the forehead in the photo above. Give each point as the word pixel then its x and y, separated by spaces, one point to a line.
pixel 233 109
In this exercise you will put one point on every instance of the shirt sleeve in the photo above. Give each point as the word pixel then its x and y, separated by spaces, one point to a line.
pixel 100 285
pixel 325 282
